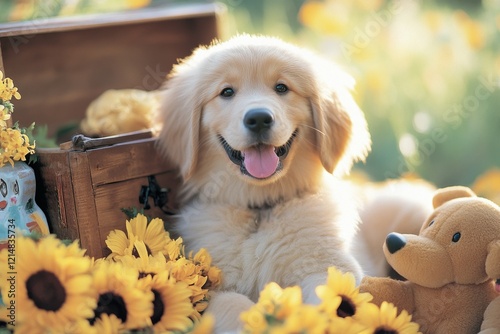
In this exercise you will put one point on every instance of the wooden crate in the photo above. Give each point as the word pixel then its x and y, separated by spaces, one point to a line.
pixel 83 189
pixel 60 65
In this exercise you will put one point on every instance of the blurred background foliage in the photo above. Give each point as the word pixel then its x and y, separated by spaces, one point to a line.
pixel 428 73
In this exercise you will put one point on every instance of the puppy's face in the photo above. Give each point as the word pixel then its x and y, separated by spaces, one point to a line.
pixel 257 113
pixel 261 106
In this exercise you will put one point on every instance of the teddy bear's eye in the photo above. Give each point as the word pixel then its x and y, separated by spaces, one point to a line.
pixel 456 237
pixel 431 223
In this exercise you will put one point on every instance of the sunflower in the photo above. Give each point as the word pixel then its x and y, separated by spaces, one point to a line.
pixel 274 307
pixel 173 248
pixel 153 235
pixel 54 284
pixel 171 304
pixel 340 296
pixel 205 325
pixel 197 271
pixel 384 319
pixel 346 325
pixel 183 270
pixel 117 292
pixel 107 323
pixel 78 327
pixel 203 262
pixel 304 319
pixel 144 263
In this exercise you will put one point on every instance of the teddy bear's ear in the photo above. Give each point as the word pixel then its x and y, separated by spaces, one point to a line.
pixel 446 194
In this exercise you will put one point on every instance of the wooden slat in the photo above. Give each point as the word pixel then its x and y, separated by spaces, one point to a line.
pixel 69 23
pixel 54 193
pixel 126 161
pixel 85 204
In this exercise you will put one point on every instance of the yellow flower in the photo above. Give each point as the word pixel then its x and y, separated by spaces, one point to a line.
pixel 7 89
pixel 214 277
pixel 274 308
pixel 369 5
pixel 183 270
pixel 137 3
pixel 340 297
pixel 384 319
pixel 327 18
pixel 305 319
pixel 107 323
pixel 54 284
pixel 345 326
pixel 205 325
pixel 488 185
pixel 4 116
pixel 203 262
pixel 472 30
pixel 153 235
pixel 14 146
pixel 144 263
pixel 118 292
pixel 171 305
pixel 173 248
pixel 199 276
pixel 434 20
pixel 254 321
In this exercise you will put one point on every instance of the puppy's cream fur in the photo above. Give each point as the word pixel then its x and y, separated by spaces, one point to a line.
pixel 290 227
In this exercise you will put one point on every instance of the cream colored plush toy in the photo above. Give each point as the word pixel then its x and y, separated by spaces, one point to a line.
pixel 120 111
pixel 448 287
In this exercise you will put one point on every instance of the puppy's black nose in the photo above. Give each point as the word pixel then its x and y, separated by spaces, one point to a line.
pixel 258 120
pixel 395 242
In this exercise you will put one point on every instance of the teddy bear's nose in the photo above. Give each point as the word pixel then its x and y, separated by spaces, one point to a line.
pixel 395 242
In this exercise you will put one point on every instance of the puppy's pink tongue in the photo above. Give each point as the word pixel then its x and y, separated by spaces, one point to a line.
pixel 261 161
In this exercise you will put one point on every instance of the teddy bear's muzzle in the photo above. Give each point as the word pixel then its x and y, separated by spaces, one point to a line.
pixel 395 242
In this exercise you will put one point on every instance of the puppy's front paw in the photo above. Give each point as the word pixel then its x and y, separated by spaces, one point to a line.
pixel 226 308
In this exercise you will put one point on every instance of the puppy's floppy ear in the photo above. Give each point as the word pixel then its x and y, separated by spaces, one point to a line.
pixel 180 114
pixel 342 137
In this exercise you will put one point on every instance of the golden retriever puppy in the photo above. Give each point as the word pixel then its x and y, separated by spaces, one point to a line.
pixel 261 130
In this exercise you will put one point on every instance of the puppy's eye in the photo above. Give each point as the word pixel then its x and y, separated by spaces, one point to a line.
pixel 456 237
pixel 227 92
pixel 281 88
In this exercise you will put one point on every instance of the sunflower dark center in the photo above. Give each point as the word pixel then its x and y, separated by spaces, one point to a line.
pixel 110 303
pixel 46 290
pixel 158 306
pixel 135 252
pixel 143 274
pixel 383 330
pixel 346 308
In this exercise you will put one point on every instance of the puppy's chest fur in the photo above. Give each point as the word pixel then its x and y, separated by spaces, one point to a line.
pixel 281 243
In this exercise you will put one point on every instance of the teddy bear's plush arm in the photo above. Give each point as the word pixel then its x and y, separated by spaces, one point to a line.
pixel 493 260
pixel 386 289
pixel 491 322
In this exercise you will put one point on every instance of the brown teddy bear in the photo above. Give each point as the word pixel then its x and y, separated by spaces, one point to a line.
pixel 491 322
pixel 447 288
